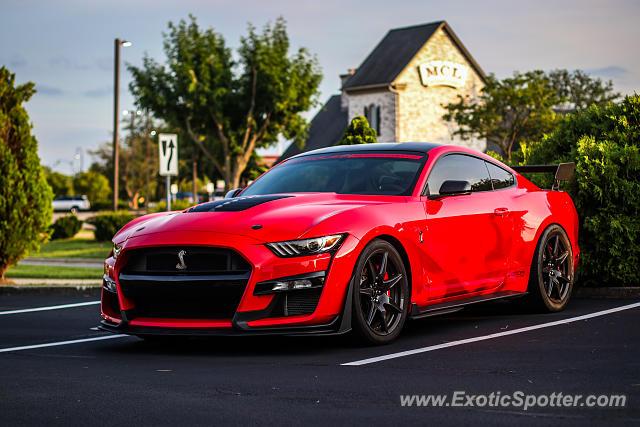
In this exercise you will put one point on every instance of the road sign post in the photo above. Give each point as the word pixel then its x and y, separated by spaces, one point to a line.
pixel 168 146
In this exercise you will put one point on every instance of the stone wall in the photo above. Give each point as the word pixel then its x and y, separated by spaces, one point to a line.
pixel 387 102
pixel 420 108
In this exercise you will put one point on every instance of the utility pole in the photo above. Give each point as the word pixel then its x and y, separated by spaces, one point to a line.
pixel 116 116
pixel 195 178
pixel 116 113
pixel 147 158
pixel 132 153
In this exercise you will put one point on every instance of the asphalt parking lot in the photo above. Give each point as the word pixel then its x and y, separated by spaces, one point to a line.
pixel 317 380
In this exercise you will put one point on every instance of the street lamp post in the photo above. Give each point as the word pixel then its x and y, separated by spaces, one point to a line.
pixel 116 118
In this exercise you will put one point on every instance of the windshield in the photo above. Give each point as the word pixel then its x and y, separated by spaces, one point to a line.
pixel 390 174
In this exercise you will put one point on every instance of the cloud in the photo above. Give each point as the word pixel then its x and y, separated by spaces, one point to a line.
pixel 16 61
pixel 611 72
pixel 49 90
pixel 99 92
pixel 105 63
pixel 66 63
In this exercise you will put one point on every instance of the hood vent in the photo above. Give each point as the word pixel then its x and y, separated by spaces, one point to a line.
pixel 236 204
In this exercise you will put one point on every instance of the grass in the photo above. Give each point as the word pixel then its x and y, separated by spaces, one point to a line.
pixel 81 246
pixel 53 272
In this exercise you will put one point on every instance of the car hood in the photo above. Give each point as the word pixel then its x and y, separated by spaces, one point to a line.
pixel 287 216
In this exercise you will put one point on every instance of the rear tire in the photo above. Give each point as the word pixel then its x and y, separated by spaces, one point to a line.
pixel 380 293
pixel 552 276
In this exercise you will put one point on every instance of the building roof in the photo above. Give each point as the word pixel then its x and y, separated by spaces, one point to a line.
pixel 396 50
pixel 326 128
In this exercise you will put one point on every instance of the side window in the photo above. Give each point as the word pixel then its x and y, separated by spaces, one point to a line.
pixel 459 167
pixel 500 177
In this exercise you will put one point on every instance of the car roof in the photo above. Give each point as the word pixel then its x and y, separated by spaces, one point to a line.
pixel 420 147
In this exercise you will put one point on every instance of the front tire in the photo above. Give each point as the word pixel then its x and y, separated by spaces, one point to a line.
pixel 380 293
pixel 551 279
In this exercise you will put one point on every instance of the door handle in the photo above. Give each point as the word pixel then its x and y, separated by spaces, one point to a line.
pixel 501 211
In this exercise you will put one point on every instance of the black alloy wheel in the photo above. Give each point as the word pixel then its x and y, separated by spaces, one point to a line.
pixel 552 277
pixel 381 293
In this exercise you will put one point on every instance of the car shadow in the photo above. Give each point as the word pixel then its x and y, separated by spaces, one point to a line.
pixel 436 327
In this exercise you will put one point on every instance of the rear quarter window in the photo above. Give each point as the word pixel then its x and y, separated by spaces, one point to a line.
pixel 500 178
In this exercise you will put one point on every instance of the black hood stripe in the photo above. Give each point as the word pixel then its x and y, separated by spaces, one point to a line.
pixel 236 204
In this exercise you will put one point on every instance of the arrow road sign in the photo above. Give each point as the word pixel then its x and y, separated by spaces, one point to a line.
pixel 168 153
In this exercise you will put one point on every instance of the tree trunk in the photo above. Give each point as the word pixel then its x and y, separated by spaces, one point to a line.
pixel 195 179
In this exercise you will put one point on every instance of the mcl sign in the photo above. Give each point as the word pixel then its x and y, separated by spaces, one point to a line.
pixel 443 73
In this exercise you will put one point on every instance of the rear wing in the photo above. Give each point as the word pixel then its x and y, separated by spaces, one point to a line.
pixel 563 171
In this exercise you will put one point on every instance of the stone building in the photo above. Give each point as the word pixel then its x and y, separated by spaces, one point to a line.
pixel 401 88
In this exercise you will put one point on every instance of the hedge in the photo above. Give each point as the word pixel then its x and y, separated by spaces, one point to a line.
pixel 108 224
pixel 604 142
pixel 66 227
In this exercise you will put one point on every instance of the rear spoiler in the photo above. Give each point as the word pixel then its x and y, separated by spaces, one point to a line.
pixel 563 171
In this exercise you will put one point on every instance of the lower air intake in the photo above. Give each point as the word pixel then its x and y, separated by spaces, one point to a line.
pixel 301 302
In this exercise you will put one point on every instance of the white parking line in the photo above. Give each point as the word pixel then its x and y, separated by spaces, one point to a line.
pixel 54 344
pixel 51 307
pixel 489 337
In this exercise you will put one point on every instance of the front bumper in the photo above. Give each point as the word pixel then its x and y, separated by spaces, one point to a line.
pixel 255 314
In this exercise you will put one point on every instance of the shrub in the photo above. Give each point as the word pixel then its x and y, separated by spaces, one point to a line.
pixel 178 205
pixel 108 224
pixel 25 196
pixel 604 142
pixel 358 132
pixel 66 227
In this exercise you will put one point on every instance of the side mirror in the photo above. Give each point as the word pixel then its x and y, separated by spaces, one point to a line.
pixel 453 188
pixel 233 193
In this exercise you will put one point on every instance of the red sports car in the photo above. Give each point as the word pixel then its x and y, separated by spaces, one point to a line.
pixel 346 238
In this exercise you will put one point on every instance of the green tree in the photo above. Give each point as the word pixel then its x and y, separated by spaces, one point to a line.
pixel 604 142
pixel 25 196
pixel 92 184
pixel 229 107
pixel 508 111
pixel 138 160
pixel 358 132
pixel 61 184
pixel 579 90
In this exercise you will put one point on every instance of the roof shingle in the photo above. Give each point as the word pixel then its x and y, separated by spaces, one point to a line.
pixel 392 55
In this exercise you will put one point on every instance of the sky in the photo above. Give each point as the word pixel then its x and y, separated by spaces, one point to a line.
pixel 66 47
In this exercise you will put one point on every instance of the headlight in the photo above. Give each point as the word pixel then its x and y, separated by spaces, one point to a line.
pixel 303 247
pixel 116 251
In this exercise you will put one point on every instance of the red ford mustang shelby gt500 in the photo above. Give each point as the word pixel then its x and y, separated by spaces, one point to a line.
pixel 345 238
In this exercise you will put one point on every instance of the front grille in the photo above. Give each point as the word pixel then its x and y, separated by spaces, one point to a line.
pixel 201 283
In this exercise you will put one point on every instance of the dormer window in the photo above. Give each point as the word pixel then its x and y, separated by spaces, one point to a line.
pixel 372 114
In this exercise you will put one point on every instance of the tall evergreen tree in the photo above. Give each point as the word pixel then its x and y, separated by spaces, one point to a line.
pixel 25 196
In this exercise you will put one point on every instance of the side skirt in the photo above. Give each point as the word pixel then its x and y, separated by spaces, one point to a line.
pixel 453 306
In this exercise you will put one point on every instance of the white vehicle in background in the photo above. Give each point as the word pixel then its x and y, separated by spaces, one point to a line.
pixel 71 203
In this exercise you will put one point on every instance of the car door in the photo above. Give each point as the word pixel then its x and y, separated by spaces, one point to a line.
pixel 467 237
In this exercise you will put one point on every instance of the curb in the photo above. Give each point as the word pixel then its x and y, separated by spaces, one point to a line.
pixel 630 292
pixel 65 260
pixel 94 291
